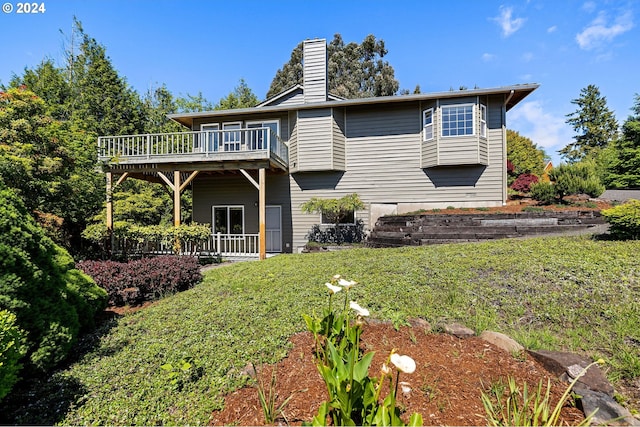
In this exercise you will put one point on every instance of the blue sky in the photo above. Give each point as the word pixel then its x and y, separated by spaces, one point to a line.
pixel 207 46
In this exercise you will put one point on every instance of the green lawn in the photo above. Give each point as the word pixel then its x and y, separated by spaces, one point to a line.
pixel 553 293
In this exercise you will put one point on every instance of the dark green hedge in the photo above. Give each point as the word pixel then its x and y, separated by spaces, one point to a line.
pixel 52 300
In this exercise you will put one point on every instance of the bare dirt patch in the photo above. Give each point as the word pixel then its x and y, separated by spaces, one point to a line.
pixel 446 386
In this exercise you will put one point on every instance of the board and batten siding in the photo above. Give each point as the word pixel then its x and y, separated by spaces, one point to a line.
pixel 383 166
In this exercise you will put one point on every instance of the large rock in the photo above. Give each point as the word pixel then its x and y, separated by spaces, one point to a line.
pixel 609 412
pixel 502 341
pixel 458 330
pixel 563 365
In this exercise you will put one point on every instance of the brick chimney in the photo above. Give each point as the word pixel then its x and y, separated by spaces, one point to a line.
pixel 314 66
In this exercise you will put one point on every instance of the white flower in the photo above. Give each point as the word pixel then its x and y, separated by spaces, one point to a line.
pixel 332 288
pixel 404 363
pixel 336 277
pixel 406 387
pixel 385 370
pixel 346 283
pixel 359 310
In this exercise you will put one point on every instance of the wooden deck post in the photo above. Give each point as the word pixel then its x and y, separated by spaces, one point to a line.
pixel 109 188
pixel 262 175
pixel 176 198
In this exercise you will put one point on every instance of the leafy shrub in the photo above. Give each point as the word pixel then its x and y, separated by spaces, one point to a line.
pixel 51 300
pixel 544 192
pixel 337 234
pixel 523 182
pixel 144 279
pixel 133 237
pixel 624 220
pixel 11 350
pixel 577 178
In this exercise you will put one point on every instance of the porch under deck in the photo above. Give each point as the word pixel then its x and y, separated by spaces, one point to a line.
pixel 175 159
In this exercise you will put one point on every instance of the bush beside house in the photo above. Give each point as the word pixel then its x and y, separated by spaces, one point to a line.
pixel 52 301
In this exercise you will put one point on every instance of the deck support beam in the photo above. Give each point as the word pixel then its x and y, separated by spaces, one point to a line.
pixel 109 203
pixel 176 198
pixel 262 207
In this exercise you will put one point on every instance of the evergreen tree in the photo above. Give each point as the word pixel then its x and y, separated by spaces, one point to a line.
pixel 624 168
pixel 595 123
pixel 101 101
pixel 354 70
pixel 241 97
pixel 158 104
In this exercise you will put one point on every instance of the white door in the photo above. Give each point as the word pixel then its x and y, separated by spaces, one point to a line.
pixel 273 228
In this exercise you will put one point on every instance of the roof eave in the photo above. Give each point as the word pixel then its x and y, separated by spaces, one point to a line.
pixel 519 93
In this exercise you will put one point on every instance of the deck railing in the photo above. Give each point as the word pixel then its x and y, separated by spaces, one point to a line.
pixel 231 245
pixel 201 143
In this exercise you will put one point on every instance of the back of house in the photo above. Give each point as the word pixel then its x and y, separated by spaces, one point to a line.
pixel 251 169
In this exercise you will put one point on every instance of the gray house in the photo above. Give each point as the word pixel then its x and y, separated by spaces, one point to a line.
pixel 251 169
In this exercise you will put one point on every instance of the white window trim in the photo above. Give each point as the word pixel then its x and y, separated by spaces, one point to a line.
pixel 227 207
pixel 225 143
pixel 483 121
pixel 473 118
pixel 255 122
pixel 425 126
pixel 203 125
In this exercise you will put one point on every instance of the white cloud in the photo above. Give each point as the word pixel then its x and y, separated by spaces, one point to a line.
pixel 589 6
pixel 600 31
pixel 488 57
pixel 545 129
pixel 552 29
pixel 506 23
pixel 527 56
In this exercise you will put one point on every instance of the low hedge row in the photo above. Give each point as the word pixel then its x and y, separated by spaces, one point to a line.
pixel 145 279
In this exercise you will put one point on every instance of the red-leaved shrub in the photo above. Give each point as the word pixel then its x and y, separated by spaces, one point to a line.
pixel 145 279
pixel 523 182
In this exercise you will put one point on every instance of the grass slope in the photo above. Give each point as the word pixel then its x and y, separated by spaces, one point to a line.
pixel 572 293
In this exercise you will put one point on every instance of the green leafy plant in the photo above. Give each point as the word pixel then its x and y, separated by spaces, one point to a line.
pixel 11 350
pixel 267 396
pixel 180 373
pixel 510 406
pixel 624 220
pixel 354 396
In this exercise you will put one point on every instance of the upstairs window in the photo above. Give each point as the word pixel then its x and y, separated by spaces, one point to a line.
pixel 457 120
pixel 427 124
pixel 483 121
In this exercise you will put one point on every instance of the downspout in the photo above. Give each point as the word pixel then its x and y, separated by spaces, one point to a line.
pixel 504 147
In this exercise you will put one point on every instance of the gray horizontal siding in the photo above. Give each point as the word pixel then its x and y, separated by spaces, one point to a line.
pixel 384 166
pixel 339 140
pixel 293 142
pixel 314 136
pixel 315 70
pixel 228 189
